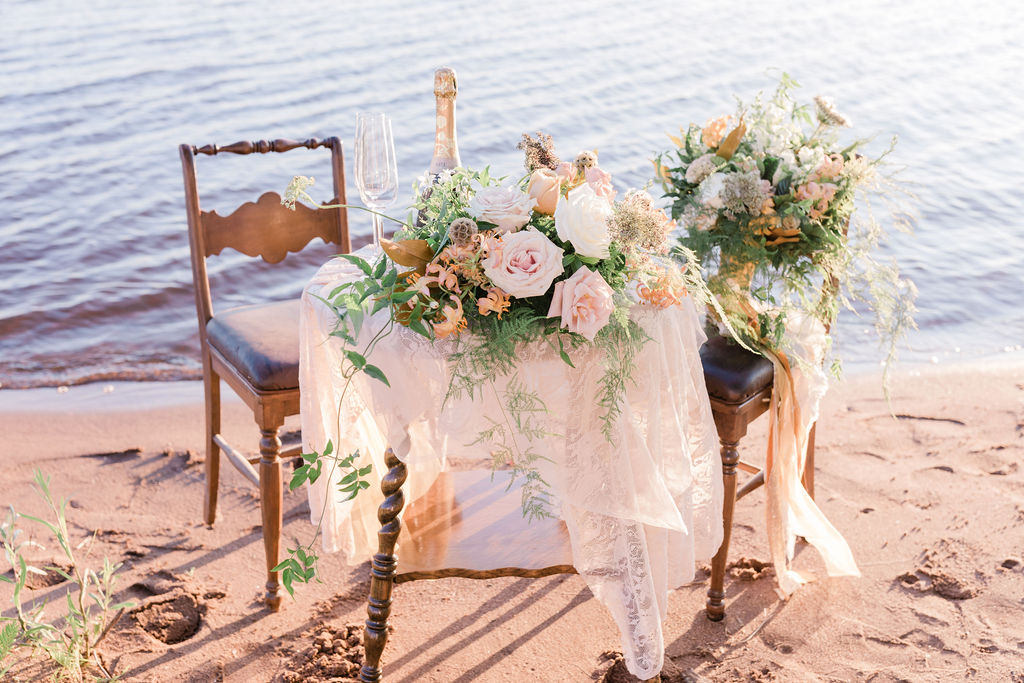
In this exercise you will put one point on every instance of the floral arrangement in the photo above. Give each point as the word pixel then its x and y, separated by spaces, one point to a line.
pixel 767 198
pixel 489 265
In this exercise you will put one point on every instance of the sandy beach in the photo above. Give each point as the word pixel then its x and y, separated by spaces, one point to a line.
pixel 931 501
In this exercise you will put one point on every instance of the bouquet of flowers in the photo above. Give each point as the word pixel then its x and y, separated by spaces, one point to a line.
pixel 553 256
pixel 767 197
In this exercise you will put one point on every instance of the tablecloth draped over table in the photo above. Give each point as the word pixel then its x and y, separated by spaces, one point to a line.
pixel 640 513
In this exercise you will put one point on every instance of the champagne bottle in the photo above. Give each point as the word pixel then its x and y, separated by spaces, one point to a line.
pixel 446 147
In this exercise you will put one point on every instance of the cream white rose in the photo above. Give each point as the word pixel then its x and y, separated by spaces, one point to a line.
pixel 581 219
pixel 506 207
pixel 523 263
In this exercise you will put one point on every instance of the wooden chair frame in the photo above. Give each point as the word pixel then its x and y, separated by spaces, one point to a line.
pixel 732 420
pixel 268 230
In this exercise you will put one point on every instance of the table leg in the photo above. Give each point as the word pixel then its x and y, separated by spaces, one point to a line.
pixel 384 566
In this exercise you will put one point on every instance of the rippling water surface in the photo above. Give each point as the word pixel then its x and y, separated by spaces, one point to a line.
pixel 95 97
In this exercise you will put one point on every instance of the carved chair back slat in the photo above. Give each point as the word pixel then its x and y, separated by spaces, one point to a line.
pixel 267 229
pixel 264 228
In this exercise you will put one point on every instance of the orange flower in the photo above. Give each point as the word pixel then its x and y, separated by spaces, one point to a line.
pixel 666 290
pixel 422 283
pixel 496 301
pixel 445 278
pixel 714 131
pixel 454 321
pixel 454 252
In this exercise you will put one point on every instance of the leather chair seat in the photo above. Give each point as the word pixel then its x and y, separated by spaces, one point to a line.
pixel 261 341
pixel 732 373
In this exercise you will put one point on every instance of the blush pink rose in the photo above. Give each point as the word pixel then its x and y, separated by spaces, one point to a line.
pixel 583 302
pixel 601 182
pixel 567 171
pixel 523 263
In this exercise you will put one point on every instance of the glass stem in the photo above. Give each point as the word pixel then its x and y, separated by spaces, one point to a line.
pixel 378 232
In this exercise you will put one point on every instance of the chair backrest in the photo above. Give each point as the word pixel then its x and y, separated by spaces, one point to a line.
pixel 264 228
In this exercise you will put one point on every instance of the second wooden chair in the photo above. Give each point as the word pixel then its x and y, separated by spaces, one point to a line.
pixel 740 388
pixel 255 349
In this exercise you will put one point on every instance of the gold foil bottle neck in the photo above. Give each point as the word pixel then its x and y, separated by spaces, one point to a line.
pixel 444 82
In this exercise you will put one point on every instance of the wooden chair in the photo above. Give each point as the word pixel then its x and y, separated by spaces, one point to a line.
pixel 740 388
pixel 255 349
pixel 466 525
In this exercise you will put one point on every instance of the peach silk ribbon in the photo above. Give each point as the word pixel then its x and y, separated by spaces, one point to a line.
pixel 790 511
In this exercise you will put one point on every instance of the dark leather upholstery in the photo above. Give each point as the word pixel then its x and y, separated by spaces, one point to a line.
pixel 732 373
pixel 262 341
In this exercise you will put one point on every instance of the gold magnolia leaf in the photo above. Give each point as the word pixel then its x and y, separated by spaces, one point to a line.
pixel 732 141
pixel 411 253
pixel 675 140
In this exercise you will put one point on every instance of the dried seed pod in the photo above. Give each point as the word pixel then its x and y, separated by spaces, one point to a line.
pixel 585 160
pixel 462 230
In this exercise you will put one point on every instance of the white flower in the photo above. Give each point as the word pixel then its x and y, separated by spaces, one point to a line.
pixel 507 207
pixel 810 159
pixel 787 165
pixel 771 130
pixel 582 220
pixel 711 189
pixel 701 167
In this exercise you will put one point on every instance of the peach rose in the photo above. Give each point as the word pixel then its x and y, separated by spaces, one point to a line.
pixel 544 187
pixel 524 263
pixel 583 302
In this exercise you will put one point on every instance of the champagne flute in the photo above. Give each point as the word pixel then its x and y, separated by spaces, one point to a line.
pixel 376 168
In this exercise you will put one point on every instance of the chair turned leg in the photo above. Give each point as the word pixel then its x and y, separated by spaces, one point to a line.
pixel 211 389
pixel 270 505
pixel 716 593
pixel 382 574
pixel 808 478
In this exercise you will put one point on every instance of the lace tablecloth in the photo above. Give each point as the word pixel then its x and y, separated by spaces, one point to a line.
pixel 641 509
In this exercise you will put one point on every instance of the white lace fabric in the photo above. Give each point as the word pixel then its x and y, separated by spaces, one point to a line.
pixel 641 509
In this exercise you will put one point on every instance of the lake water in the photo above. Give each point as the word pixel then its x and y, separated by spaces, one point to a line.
pixel 95 97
